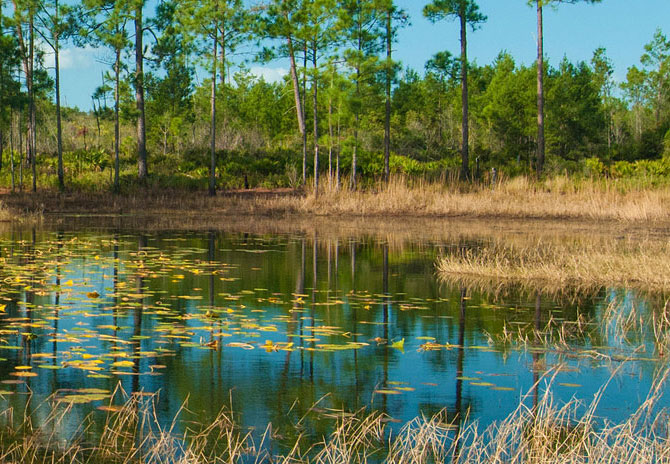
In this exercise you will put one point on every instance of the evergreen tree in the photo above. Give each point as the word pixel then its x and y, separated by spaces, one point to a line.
pixel 57 24
pixel 210 25
pixel 320 34
pixel 137 6
pixel 467 12
pixel 104 24
pixel 539 5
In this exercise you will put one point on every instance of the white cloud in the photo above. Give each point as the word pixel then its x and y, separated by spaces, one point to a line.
pixel 269 74
pixel 72 58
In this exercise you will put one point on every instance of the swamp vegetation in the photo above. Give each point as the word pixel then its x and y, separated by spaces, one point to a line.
pixel 319 343
pixel 472 267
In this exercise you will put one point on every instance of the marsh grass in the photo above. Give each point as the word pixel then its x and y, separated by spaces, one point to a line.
pixel 5 213
pixel 624 321
pixel 552 265
pixel 557 198
pixel 541 431
pixel 630 328
pixel 517 198
pixel 555 335
pixel 570 433
pixel 25 217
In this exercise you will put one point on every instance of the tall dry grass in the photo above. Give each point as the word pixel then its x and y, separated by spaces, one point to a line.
pixel 555 265
pixel 5 214
pixel 545 432
pixel 517 198
pixel 520 197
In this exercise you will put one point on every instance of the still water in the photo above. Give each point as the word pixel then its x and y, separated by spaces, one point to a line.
pixel 287 327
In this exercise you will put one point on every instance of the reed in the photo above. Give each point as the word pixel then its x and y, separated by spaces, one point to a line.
pixel 543 432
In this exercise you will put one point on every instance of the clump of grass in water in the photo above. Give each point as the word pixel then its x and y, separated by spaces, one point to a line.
pixel 552 266
pixel 5 214
pixel 545 433
pixel 555 335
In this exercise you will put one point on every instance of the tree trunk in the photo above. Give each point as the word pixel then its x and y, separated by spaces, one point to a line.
pixel 330 133
pixel 337 153
pixel 223 55
pixel 316 121
pixel 11 144
pixel 296 85
pixel 387 116
pixel 117 72
pixel 465 161
pixel 20 131
pixel 27 69
pixel 354 154
pixel 212 160
pixel 304 132
pixel 224 72
pixel 2 87
pixel 96 111
pixel 33 121
pixel 540 91
pixel 59 127
pixel 139 97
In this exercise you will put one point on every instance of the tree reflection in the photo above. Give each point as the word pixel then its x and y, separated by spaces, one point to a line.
pixel 459 416
pixel 137 315
pixel 537 357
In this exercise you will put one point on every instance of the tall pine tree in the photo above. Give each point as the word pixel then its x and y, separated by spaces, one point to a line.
pixel 467 12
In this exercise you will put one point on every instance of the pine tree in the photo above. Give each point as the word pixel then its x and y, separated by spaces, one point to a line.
pixel 467 12
pixel 539 4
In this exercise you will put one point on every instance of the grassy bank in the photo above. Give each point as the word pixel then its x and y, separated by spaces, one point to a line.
pixel 557 198
pixel 539 431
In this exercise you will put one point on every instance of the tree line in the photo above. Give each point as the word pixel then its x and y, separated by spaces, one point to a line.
pixel 345 98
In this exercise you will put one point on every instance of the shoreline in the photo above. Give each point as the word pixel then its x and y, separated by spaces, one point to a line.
pixel 405 207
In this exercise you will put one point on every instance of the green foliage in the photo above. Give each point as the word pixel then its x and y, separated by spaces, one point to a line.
pixel 574 113
pixel 591 128
pixel 439 10
pixel 593 167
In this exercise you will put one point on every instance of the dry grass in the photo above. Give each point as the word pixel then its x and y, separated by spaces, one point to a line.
pixel 571 433
pixel 5 214
pixel 548 265
pixel 625 326
pixel 518 198
pixel 546 433
pixel 559 336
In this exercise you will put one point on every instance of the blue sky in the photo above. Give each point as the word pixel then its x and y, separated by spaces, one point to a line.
pixel 575 31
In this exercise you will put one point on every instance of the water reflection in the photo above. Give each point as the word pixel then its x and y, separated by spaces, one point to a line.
pixel 458 411
pixel 218 317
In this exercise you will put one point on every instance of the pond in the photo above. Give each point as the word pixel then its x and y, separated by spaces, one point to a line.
pixel 290 328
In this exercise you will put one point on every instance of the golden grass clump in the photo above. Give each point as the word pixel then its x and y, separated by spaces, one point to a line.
pixel 5 214
pixel 554 265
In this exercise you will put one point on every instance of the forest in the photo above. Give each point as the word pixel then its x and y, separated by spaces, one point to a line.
pixel 347 111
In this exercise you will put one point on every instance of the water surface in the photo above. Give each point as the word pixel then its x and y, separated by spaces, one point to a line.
pixel 284 328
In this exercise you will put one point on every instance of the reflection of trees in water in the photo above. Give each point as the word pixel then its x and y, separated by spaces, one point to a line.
pixel 354 318
pixel 373 273
pixel 537 367
pixel 137 315
pixel 386 309
pixel 54 353
pixel 458 411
